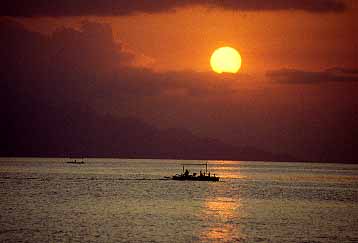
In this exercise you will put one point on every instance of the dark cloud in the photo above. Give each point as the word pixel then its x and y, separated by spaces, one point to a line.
pixel 89 63
pixel 294 76
pixel 76 92
pixel 24 8
pixel 342 70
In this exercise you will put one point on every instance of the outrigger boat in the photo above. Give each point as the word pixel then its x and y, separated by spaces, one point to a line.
pixel 186 176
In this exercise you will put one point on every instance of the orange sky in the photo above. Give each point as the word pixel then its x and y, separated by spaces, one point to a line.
pixel 295 94
pixel 186 38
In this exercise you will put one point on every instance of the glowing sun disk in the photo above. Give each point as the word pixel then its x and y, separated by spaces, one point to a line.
pixel 225 60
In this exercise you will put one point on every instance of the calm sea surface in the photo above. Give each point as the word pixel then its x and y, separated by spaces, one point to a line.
pixel 121 200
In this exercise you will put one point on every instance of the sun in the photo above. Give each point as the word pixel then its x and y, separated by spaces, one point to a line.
pixel 225 60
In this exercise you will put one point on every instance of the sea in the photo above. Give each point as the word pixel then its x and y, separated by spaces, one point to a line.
pixel 131 200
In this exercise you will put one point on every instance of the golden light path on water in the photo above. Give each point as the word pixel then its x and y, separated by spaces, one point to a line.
pixel 221 210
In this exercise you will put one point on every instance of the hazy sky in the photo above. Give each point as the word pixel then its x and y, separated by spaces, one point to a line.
pixel 149 60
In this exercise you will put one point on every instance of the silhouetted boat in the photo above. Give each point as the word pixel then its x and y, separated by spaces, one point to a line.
pixel 186 176
pixel 75 161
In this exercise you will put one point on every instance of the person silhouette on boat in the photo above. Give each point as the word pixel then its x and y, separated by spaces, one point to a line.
pixel 201 174
pixel 186 173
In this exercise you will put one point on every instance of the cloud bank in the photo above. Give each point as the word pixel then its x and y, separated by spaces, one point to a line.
pixel 23 8
pixel 295 76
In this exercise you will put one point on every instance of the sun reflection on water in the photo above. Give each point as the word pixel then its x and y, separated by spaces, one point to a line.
pixel 221 214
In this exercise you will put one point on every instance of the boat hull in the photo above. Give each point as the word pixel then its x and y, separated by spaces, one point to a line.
pixel 75 162
pixel 195 178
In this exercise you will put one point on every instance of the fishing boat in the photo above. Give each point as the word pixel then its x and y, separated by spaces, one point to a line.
pixel 75 161
pixel 186 176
